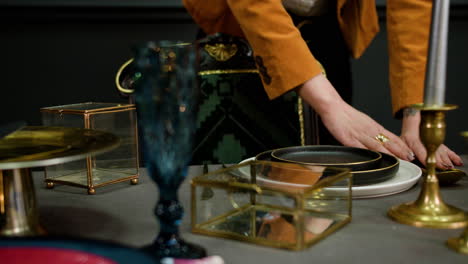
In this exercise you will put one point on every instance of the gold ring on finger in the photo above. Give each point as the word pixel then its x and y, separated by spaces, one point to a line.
pixel 382 138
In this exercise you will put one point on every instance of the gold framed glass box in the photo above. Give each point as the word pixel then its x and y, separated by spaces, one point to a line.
pixel 118 165
pixel 281 205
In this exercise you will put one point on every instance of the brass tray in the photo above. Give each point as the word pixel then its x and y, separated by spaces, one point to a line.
pixel 38 146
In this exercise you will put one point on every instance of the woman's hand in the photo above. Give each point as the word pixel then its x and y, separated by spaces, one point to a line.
pixel 348 125
pixel 445 157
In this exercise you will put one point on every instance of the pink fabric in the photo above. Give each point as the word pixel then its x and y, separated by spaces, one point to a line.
pixel 37 255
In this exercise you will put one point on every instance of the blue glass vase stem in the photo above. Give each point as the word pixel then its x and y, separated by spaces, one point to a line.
pixel 165 101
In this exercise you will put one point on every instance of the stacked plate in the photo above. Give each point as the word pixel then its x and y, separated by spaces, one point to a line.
pixel 374 173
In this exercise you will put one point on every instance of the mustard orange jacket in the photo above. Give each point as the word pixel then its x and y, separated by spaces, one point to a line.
pixel 285 59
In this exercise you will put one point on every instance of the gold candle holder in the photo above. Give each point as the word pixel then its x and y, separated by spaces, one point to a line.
pixel 429 210
pixel 460 244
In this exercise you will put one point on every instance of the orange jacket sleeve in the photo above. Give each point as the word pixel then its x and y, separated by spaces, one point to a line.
pixel 408 25
pixel 282 56
pixel 286 59
pixel 358 23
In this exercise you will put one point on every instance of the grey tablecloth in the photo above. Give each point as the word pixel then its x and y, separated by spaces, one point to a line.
pixel 123 213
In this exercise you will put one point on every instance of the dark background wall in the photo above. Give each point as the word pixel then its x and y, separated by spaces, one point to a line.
pixel 62 52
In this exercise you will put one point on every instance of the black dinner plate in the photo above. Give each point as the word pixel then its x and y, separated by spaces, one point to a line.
pixel 355 159
pixel 384 169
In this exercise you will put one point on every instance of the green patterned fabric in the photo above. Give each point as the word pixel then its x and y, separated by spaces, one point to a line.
pixel 236 120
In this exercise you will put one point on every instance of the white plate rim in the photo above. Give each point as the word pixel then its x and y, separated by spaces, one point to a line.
pixel 389 187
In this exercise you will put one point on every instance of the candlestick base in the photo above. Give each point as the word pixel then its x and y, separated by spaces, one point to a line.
pixel 429 210
pixel 429 215
pixel 459 244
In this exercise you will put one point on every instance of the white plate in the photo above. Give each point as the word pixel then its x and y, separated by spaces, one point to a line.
pixel 407 175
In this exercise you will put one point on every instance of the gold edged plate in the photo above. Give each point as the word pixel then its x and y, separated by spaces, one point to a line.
pixel 38 146
pixel 406 176
pixel 356 159
pixel 384 170
pixel 379 171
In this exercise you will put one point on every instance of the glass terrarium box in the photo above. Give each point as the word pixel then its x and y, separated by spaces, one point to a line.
pixel 283 205
pixel 118 165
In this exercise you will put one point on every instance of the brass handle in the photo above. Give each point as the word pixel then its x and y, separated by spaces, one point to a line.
pixel 248 186
pixel 117 78
pixel 236 185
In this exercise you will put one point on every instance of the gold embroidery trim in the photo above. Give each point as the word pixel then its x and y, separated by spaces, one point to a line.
pixel 229 71
pixel 300 112
pixel 322 68
pixel 220 51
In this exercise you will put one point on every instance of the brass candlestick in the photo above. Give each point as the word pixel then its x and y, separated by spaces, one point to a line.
pixel 460 244
pixel 429 210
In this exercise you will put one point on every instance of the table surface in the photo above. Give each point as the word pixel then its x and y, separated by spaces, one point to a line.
pixel 123 213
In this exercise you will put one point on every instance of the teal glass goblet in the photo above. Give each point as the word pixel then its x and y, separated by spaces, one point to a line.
pixel 165 96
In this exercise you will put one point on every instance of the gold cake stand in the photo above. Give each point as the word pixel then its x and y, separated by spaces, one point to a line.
pixel 37 146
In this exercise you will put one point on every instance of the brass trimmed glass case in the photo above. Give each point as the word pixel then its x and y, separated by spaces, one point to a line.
pixel 281 205
pixel 118 165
